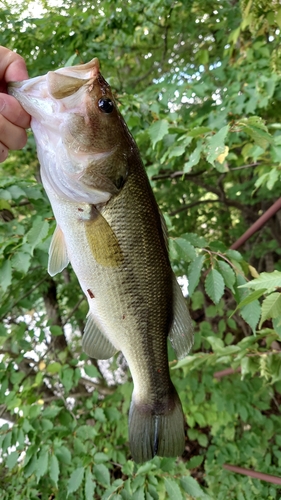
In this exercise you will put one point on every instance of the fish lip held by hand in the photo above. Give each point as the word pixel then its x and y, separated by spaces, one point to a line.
pixel 110 229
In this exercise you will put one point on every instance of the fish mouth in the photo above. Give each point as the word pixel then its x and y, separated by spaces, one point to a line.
pixel 43 93
pixel 86 72
pixel 17 89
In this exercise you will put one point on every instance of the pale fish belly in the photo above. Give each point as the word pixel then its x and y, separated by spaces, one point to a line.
pixel 115 303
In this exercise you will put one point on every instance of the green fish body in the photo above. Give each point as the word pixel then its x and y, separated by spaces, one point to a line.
pixel 111 231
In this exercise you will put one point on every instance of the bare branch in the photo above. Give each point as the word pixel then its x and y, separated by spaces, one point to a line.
pixel 183 208
pixel 29 292
pixel 252 473
pixel 73 310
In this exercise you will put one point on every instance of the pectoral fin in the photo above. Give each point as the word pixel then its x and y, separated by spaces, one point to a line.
pixel 94 342
pixel 58 258
pixel 102 241
pixel 181 332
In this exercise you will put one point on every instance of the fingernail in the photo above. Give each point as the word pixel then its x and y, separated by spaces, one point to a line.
pixel 2 104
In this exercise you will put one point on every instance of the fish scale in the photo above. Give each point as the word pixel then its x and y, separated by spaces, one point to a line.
pixel 110 229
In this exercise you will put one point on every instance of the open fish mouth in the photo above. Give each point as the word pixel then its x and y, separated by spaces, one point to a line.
pixel 34 94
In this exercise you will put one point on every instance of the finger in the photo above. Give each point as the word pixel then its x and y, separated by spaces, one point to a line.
pixel 11 109
pixel 12 66
pixel 11 136
pixel 3 152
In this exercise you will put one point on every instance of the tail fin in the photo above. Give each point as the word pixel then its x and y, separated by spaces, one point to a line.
pixel 153 432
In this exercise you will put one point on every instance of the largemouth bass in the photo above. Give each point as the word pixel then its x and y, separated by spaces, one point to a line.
pixel 111 231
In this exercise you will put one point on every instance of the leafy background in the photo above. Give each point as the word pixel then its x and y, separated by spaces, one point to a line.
pixel 199 86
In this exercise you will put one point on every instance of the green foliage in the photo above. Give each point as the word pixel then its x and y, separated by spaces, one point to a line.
pixel 203 105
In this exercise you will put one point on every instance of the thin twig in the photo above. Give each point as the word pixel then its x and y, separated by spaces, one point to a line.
pixel 255 164
pixel 193 204
pixel 25 295
pixel 175 175
pixel 73 310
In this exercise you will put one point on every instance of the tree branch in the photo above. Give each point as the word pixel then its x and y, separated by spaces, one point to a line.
pixel 25 295
pixel 252 473
pixel 183 208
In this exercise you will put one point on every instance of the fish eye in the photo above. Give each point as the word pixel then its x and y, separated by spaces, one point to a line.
pixel 105 105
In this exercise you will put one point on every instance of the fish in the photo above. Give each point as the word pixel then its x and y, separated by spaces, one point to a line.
pixel 110 228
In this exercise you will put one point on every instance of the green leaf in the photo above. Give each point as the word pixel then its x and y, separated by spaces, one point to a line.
pixel 16 192
pixel 251 314
pixel 99 415
pixel 251 297
pixel 56 330
pixel 271 307
pixel 146 467
pixel 31 466
pixel 63 455
pixel 194 158
pixel 12 459
pixel 194 239
pixel 90 485
pixel 101 473
pixel 138 494
pixel 216 343
pixel 227 273
pixel 190 486
pixel 173 490
pixel 277 326
pixel 37 233
pixel 21 261
pixel 91 371
pixel 202 438
pixel 214 285
pixel 71 60
pixel 257 130
pixel 185 250
pixel 157 131
pixel 195 461
pixel 54 367
pixel 54 469
pixel 268 281
pixel 75 480
pixel 51 411
pixel 67 378
pixel 198 131
pixel 215 144
pixel 194 273
pixel 42 463
pixel 6 275
pixel 234 254
pixel 177 150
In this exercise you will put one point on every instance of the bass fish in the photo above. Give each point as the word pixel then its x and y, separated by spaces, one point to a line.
pixel 110 229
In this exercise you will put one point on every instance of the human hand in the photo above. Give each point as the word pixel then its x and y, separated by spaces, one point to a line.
pixel 13 119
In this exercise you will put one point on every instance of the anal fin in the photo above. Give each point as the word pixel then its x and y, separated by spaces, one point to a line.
pixel 58 258
pixel 181 331
pixel 94 342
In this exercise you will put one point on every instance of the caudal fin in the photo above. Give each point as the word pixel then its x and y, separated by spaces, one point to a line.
pixel 153 432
